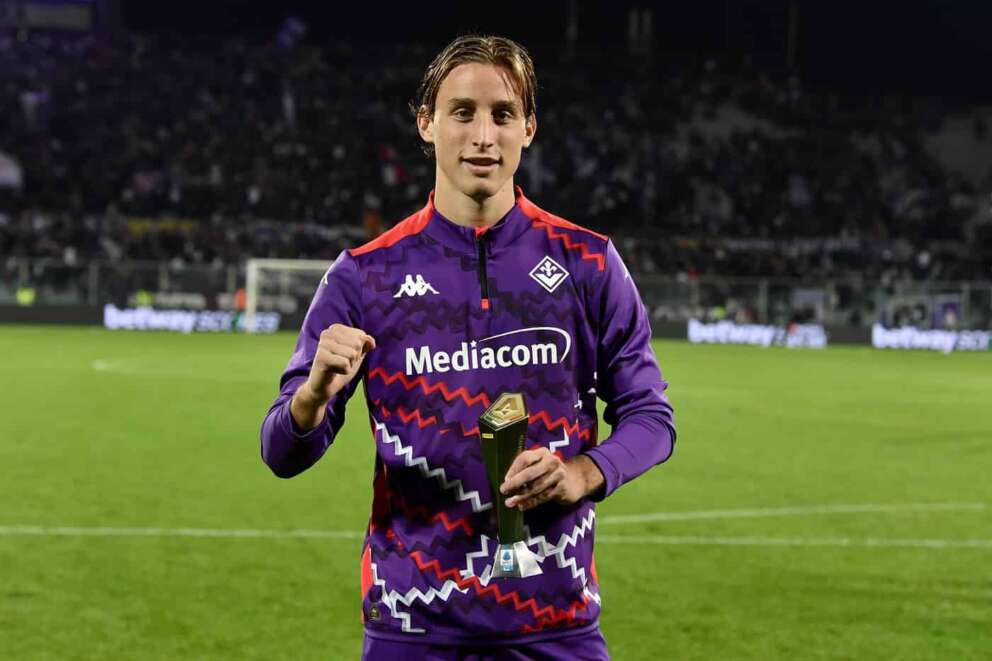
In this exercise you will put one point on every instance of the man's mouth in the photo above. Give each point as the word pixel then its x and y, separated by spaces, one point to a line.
pixel 481 161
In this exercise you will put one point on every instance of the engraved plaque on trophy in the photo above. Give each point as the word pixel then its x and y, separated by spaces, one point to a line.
pixel 502 430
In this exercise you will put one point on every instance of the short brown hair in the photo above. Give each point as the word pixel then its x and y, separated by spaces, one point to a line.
pixel 500 52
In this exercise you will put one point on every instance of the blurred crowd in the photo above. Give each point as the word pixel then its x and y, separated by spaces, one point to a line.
pixel 206 150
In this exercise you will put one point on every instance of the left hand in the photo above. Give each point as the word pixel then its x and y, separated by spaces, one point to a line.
pixel 538 476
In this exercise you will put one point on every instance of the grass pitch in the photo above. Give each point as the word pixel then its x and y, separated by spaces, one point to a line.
pixel 819 505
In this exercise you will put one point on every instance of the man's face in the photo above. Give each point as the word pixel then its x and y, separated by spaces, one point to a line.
pixel 478 130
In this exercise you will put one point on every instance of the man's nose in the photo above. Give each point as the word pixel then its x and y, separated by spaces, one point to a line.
pixel 484 130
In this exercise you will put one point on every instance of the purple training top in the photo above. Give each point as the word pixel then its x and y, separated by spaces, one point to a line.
pixel 536 305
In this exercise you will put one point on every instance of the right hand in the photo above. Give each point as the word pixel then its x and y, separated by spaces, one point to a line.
pixel 339 356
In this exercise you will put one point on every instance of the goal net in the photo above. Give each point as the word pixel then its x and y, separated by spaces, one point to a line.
pixel 285 286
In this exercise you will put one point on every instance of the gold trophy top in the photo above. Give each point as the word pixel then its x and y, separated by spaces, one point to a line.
pixel 506 410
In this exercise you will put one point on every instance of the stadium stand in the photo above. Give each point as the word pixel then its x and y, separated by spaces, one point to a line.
pixel 207 150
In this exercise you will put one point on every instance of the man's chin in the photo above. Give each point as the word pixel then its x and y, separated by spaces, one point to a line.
pixel 480 195
pixel 482 189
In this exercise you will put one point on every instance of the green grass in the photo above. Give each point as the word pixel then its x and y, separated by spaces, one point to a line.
pixel 131 429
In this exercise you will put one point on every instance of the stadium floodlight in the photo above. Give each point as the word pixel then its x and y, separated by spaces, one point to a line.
pixel 280 284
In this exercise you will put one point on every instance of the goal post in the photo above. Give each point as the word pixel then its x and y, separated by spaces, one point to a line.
pixel 277 281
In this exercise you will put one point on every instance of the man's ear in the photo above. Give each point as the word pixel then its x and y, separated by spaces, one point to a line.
pixel 425 125
pixel 530 128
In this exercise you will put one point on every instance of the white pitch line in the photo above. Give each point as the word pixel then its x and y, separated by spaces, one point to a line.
pixel 797 541
pixel 669 540
pixel 153 371
pixel 788 511
pixel 105 531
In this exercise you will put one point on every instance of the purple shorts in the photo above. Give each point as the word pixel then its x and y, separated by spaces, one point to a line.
pixel 589 646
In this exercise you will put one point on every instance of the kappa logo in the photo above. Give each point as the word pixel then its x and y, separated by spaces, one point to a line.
pixel 549 274
pixel 412 287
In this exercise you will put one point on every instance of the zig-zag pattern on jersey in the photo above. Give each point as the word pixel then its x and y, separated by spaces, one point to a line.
pixel 438 542
pixel 436 545
pixel 481 554
pixel 428 388
pixel 392 597
pixel 470 452
pixel 538 382
pixel 562 443
pixel 421 464
pixel 484 553
pixel 549 424
pixel 488 608
pixel 381 277
pixel 550 616
pixel 592 595
pixel 448 524
pixel 424 514
pixel 545 550
pixel 555 622
pixel 597 257
pixel 531 308
pixel 407 417
pixel 542 416
pixel 557 551
pixel 454 459
pixel 549 612
pixel 439 316
pixel 443 315
pixel 425 422
pixel 474 431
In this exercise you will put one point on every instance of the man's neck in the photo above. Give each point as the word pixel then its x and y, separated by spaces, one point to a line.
pixel 468 212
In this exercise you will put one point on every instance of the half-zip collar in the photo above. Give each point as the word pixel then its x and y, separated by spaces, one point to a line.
pixel 466 239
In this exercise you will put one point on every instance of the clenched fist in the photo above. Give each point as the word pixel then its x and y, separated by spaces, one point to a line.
pixel 340 352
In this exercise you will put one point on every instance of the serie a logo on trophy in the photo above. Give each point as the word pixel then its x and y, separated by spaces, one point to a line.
pixel 502 430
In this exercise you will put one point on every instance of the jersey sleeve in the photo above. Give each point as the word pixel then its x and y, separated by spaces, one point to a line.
pixel 286 449
pixel 629 381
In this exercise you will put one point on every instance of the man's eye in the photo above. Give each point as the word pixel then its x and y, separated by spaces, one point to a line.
pixel 462 113
pixel 504 116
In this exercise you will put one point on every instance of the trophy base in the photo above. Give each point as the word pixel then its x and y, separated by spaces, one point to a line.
pixel 515 561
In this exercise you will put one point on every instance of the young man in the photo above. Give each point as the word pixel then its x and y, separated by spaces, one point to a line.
pixel 479 293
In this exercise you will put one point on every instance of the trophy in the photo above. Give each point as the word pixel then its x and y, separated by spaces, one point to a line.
pixel 502 429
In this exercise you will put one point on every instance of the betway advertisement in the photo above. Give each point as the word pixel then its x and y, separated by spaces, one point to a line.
pixel 810 336
pixel 185 321
pixel 944 341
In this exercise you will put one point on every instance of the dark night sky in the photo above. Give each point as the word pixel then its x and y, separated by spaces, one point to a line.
pixel 923 47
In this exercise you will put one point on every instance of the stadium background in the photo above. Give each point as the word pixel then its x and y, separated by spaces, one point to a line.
pixel 775 173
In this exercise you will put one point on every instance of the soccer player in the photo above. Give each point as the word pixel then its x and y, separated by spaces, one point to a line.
pixel 481 292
